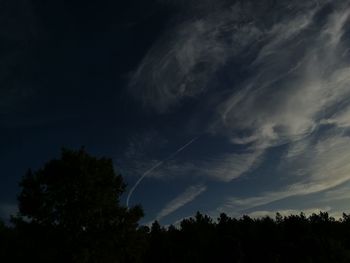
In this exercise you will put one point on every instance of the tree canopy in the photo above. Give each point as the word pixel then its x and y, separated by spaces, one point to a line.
pixel 76 199
pixel 70 211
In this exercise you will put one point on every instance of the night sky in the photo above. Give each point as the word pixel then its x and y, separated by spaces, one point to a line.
pixel 228 106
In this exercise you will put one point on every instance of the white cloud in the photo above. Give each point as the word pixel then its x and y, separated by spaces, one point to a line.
pixel 290 92
pixel 290 112
pixel 324 165
pixel 223 167
pixel 341 118
pixel 230 166
pixel 297 79
pixel 340 193
pixel 184 198
pixel 287 212
pixel 334 29
pixel 283 33
pixel 178 67
pixel 181 63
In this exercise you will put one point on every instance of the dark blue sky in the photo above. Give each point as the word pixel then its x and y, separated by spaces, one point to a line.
pixel 234 106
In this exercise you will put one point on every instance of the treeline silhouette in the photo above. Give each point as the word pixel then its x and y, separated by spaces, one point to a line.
pixel 294 238
pixel 70 211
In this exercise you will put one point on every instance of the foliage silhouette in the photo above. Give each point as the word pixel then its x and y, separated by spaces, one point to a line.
pixel 294 238
pixel 70 211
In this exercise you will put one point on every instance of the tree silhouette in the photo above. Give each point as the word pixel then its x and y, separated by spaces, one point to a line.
pixel 72 206
pixel 70 211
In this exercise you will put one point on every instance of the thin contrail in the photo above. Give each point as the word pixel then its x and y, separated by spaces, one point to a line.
pixel 156 166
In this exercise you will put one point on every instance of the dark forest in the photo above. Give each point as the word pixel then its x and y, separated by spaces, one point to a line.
pixel 70 211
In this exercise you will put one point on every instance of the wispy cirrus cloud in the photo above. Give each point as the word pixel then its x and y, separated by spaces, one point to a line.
pixel 181 64
pixel 224 167
pixel 321 166
pixel 230 166
pixel 184 198
pixel 340 118
pixel 288 86
pixel 299 77
pixel 288 212
pixel 339 193
pixel 293 107
pixel 291 66
pixel 178 68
